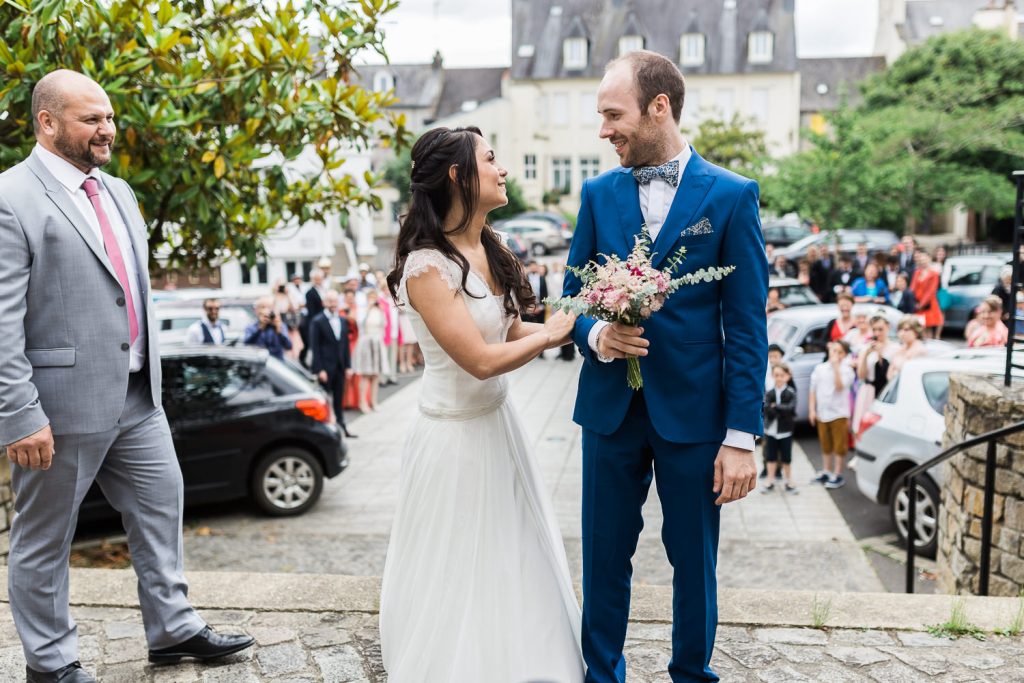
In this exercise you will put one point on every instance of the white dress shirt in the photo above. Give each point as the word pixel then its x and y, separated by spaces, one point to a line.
pixel 71 179
pixel 656 200
pixel 195 332
pixel 335 320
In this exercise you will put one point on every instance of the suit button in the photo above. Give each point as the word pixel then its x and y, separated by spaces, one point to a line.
pixel 120 301
pixel 125 347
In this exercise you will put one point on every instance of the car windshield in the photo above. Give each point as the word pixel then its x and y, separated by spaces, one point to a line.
pixel 936 389
pixel 974 274
pixel 891 391
pixel 797 295
pixel 781 333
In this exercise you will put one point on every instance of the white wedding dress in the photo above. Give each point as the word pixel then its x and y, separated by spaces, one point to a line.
pixel 476 586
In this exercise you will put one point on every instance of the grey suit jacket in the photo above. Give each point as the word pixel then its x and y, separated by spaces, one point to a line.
pixel 64 351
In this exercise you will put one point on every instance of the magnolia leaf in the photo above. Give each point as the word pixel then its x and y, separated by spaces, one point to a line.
pixel 219 167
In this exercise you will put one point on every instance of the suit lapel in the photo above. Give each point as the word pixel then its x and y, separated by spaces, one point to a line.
pixel 627 201
pixel 693 188
pixel 57 194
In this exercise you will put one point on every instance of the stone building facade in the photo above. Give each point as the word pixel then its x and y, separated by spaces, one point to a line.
pixel 979 404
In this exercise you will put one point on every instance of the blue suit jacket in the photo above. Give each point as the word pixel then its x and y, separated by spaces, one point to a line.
pixel 705 369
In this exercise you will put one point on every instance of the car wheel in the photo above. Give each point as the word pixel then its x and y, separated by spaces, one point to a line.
pixel 287 482
pixel 927 515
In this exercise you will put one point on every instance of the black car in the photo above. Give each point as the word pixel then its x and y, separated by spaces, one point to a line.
pixel 244 424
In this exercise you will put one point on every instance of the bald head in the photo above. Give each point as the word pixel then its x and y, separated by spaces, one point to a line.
pixel 73 118
pixel 53 91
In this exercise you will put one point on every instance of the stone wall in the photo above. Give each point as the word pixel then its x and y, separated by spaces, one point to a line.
pixel 979 404
pixel 6 505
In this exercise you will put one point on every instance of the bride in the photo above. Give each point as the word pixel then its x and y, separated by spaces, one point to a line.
pixel 476 586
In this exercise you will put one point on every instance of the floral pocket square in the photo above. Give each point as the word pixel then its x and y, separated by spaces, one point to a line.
pixel 701 227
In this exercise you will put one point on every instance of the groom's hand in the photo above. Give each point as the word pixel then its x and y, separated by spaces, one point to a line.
pixel 735 474
pixel 618 341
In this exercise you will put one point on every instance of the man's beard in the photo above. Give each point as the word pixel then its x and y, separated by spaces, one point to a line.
pixel 646 147
pixel 80 156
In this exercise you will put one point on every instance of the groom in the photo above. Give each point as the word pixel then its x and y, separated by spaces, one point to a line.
pixel 80 386
pixel 702 358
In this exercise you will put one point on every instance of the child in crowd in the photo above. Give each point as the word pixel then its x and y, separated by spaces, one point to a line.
pixel 779 415
pixel 774 356
pixel 829 409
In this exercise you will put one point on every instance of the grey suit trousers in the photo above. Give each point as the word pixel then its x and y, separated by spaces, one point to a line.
pixel 135 465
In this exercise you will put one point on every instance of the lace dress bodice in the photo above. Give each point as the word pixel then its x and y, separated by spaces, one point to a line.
pixel 447 391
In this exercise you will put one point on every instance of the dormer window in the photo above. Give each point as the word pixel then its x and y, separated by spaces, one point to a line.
pixel 760 47
pixel 692 49
pixel 574 53
pixel 630 44
pixel 383 81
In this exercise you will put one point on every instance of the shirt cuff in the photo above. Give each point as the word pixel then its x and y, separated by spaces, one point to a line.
pixel 592 342
pixel 738 439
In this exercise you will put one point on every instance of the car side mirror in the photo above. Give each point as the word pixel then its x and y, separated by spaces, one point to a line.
pixel 796 351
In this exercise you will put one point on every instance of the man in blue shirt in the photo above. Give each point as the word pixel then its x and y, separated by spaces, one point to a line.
pixel 268 332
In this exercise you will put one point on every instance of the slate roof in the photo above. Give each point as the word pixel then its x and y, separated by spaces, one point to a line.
pixel 924 17
pixel 834 73
pixel 468 85
pixel 545 24
pixel 417 86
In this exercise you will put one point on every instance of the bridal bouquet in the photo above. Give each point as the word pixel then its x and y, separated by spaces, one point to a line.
pixel 630 291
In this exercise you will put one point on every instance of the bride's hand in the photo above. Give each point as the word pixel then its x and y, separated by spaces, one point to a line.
pixel 558 328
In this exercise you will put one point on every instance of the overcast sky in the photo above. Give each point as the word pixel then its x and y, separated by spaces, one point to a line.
pixel 477 32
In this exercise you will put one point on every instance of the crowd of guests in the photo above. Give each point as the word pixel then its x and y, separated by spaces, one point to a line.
pixel 906 277
pixel 350 334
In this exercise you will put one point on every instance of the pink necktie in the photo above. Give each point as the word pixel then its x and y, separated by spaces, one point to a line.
pixel 92 188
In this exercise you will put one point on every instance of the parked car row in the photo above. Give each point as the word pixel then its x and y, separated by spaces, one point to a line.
pixel 968 280
pixel 543 232
pixel 244 425
pixel 844 240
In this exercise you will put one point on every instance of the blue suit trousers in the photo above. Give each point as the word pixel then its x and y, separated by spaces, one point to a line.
pixel 617 474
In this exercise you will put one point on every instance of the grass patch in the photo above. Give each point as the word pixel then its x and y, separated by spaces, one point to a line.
pixel 821 610
pixel 1017 625
pixel 957 624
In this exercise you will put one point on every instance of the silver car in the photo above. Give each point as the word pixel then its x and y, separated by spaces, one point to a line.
pixel 542 236
pixel 967 280
pixel 802 332
pixel 174 321
pixel 904 428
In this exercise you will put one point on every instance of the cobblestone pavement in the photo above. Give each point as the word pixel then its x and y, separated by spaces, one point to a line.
pixel 770 541
pixel 301 647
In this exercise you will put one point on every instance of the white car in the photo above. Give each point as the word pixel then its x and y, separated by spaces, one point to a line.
pixel 174 322
pixel 541 235
pixel 904 428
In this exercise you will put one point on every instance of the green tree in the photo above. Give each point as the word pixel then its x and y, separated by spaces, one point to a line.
pixel 397 174
pixel 735 145
pixel 214 99
pixel 947 120
pixel 516 203
pixel 837 183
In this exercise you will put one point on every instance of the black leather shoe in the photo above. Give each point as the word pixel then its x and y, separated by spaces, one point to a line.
pixel 72 673
pixel 204 645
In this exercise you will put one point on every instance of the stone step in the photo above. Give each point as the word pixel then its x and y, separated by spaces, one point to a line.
pixel 738 607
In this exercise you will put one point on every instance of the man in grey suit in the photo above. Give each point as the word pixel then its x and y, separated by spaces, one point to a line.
pixel 80 385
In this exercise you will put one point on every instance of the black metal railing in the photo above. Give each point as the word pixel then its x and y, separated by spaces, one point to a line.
pixel 990 489
pixel 1014 341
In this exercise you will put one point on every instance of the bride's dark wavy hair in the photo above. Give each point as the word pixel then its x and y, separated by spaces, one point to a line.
pixel 433 192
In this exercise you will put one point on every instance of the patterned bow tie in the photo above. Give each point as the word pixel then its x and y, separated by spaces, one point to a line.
pixel 669 172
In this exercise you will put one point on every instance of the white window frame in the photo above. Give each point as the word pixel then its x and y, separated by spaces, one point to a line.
pixel 383 81
pixel 588 108
pixel 630 43
pixel 529 167
pixel 760 47
pixel 590 167
pixel 574 53
pixel 561 173
pixel 691 49
pixel 759 103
